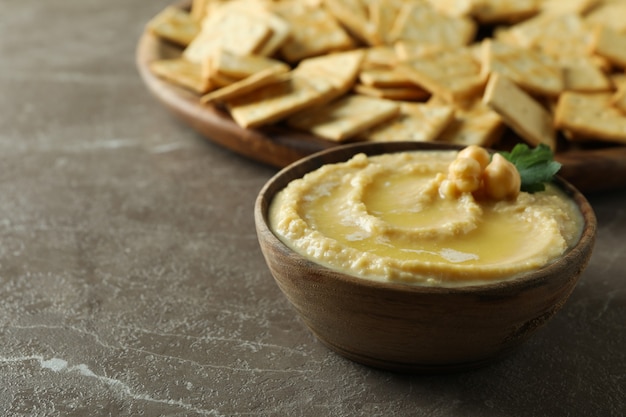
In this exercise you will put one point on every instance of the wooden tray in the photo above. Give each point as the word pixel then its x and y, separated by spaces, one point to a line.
pixel 589 170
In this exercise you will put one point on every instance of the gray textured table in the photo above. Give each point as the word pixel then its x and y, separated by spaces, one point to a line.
pixel 131 282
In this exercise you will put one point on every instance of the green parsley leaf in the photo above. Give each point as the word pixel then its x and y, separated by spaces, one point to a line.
pixel 535 166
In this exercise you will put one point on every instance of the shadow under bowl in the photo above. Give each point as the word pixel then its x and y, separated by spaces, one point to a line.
pixel 412 328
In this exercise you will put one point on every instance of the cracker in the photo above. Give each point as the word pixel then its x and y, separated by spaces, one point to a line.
pixel 618 79
pixel 174 25
pixel 474 124
pixel 558 34
pixel 590 116
pixel 277 101
pixel 409 50
pixel 199 9
pixel 416 122
pixel 530 69
pixel 393 93
pixel 182 72
pixel 353 14
pixel 379 57
pixel 383 15
pixel 580 73
pixel 529 119
pixel 242 66
pixel 247 85
pixel 340 69
pixel 453 7
pixel 503 11
pixel 280 28
pixel 608 14
pixel 388 77
pixel 314 32
pixel 619 99
pixel 344 118
pixel 611 45
pixel 579 7
pixel 452 74
pixel 421 23
pixel 238 33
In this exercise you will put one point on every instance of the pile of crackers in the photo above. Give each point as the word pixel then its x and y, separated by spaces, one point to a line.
pixel 459 71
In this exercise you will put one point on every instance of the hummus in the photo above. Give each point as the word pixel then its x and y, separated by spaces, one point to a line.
pixel 384 218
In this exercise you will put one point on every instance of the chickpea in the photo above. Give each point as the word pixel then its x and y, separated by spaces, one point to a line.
pixel 476 152
pixel 501 179
pixel 447 189
pixel 465 173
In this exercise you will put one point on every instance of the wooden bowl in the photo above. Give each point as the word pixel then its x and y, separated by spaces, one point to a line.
pixel 415 328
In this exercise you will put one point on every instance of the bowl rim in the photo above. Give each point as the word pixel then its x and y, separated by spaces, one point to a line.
pixel 525 280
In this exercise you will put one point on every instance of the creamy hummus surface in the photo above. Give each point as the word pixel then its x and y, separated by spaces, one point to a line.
pixel 385 218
